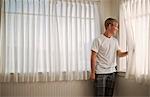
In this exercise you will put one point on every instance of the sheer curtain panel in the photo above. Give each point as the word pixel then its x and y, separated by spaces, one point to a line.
pixel 135 34
pixel 47 40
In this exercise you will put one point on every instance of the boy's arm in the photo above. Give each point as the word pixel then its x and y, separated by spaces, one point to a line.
pixel 121 54
pixel 93 64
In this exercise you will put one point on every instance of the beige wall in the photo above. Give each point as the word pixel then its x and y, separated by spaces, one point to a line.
pixel 0 90
pixel 109 8
pixel 0 23
pixel 128 88
pixel 149 92
pixel 123 87
pixel 51 89
pixel 105 11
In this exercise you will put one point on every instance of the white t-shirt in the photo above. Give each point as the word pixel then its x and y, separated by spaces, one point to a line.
pixel 106 49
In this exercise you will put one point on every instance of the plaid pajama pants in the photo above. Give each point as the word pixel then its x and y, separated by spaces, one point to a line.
pixel 104 84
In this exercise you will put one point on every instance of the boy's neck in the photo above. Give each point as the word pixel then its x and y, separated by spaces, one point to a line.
pixel 108 34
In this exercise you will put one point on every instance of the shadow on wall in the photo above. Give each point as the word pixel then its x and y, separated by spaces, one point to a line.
pixel 125 87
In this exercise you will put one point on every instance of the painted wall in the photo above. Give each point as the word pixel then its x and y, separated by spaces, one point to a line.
pixel 109 8
pixel 0 28
pixel 0 90
pixel 105 11
pixel 51 89
pixel 130 88
pixel 71 89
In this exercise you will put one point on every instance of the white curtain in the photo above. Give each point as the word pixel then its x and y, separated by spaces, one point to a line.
pixel 135 35
pixel 47 40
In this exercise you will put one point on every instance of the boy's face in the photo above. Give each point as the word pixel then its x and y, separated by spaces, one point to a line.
pixel 114 28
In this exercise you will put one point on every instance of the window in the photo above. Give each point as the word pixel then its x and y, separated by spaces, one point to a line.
pixel 48 36
pixel 135 24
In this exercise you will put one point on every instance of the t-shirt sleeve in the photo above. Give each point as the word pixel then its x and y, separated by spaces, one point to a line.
pixel 117 45
pixel 95 45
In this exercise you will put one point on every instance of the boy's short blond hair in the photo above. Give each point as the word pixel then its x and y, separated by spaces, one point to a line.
pixel 109 21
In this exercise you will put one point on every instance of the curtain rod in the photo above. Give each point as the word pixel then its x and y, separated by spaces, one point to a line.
pixel 72 0
pixel 81 0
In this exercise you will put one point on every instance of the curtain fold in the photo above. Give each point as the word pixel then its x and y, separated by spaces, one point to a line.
pixel 135 20
pixel 47 40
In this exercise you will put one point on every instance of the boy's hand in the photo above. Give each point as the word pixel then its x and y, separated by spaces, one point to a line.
pixel 92 76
